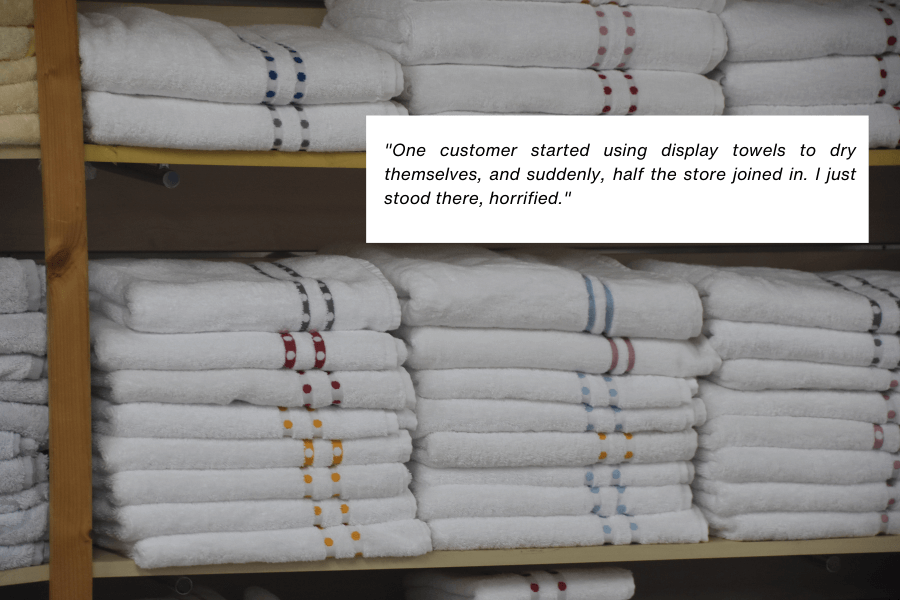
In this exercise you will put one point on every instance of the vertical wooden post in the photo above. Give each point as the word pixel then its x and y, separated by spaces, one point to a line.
pixel 68 344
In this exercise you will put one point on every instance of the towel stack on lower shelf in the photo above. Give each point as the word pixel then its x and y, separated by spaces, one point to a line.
pixel 534 429
pixel 24 492
pixel 157 80
pixel 804 58
pixel 18 75
pixel 801 437
pixel 250 412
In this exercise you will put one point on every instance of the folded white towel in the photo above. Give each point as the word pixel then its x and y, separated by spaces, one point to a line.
pixel 29 420
pixel 348 482
pixel 489 416
pixel 24 555
pixel 137 522
pixel 714 6
pixel 400 538
pixel 21 286
pixel 296 294
pixel 627 391
pixel 553 449
pixel 839 467
pixel 464 348
pixel 139 51
pixel 24 499
pixel 16 367
pixel 801 526
pixel 130 454
pixel 389 390
pixel 592 583
pixel 672 473
pixel 685 527
pixel 30 391
pixel 116 347
pixel 23 333
pixel 23 472
pixel 534 34
pixel 465 501
pixel 756 374
pixel 24 526
pixel 732 339
pixel 798 432
pixel 434 89
pixel 12 445
pixel 881 288
pixel 868 407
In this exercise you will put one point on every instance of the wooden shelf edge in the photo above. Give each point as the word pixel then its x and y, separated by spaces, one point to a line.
pixel 127 154
pixel 17 152
pixel 25 575
pixel 884 158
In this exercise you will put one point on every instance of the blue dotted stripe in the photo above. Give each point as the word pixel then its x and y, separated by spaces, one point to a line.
pixel 300 73
pixel 592 305
pixel 272 75
pixel 610 309
pixel 304 297
pixel 611 391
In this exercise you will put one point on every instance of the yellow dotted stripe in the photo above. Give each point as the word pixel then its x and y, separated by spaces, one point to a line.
pixel 309 453
pixel 337 452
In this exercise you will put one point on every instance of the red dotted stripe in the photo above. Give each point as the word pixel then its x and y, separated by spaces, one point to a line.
pixel 290 349
pixel 890 28
pixel 318 349
pixel 634 94
pixel 607 93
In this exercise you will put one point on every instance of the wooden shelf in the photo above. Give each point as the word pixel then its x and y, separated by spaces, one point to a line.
pixel 15 152
pixel 25 575
pixel 884 158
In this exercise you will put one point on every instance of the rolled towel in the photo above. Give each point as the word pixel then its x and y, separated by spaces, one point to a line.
pixel 16 12
pixel 16 42
pixel 348 482
pixel 534 34
pixel 839 467
pixel 732 340
pixel 24 555
pixel 28 420
pixel 672 473
pixel 243 421
pixel 868 407
pixel 115 347
pixel 24 526
pixel 400 538
pixel 685 527
pixel 21 473
pixel 296 294
pixel 433 89
pixel 114 454
pixel 625 391
pixel 19 130
pixel 21 288
pixel 23 333
pixel 18 71
pixel 18 367
pixel 151 121
pixel 138 522
pixel 144 52
pixel 553 449
pixel 466 348
pixel 801 526
pixel 756 374
pixel 490 416
pixel 468 501
pixel 24 499
pixel 798 432
pixel 19 98
pixel 12 445
pixel 387 390
pixel 31 391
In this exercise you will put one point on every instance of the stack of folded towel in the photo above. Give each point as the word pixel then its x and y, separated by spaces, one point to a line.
pixel 18 75
pixel 539 425
pixel 250 412
pixel 24 418
pixel 802 435
pixel 157 80
pixel 805 58
pixel 561 57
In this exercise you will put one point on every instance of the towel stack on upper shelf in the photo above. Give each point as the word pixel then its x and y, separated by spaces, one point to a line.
pixel 801 436
pixel 562 57
pixel 24 419
pixel 250 412
pixel 804 58
pixel 18 75
pixel 157 80
pixel 534 429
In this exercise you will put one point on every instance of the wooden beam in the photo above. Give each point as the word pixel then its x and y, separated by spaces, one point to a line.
pixel 68 343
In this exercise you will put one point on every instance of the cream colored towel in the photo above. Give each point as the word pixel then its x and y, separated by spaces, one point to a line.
pixel 19 98
pixel 16 42
pixel 16 12
pixel 19 130
pixel 18 71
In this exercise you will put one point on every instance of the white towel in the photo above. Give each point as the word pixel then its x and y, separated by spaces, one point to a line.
pixel 868 407
pixel 139 51
pixel 490 416
pixel 21 286
pixel 685 527
pixel 839 467
pixel 798 432
pixel 463 348
pixel 732 339
pixel 137 522
pixel 12 445
pixel 128 454
pixel 672 473
pixel 626 391
pixel 400 538
pixel 730 499
pixel 28 420
pixel 552 449
pixel 296 294
pixel 756 374
pixel 467 501
pixel 434 89
pixel 714 6
pixel 31 391
pixel 17 367
pixel 534 34
pixel 23 333
pixel 119 120
pixel 24 526
pixel 23 472
pixel 24 499
pixel 115 347
pixel 24 555
pixel 591 583
pixel 348 482
pixel 389 390
pixel 801 526
pixel 880 287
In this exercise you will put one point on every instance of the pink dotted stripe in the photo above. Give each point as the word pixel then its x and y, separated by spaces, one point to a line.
pixel 631 355
pixel 290 349
pixel 615 355
pixel 883 526
pixel 879 437
pixel 603 48
pixel 630 38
